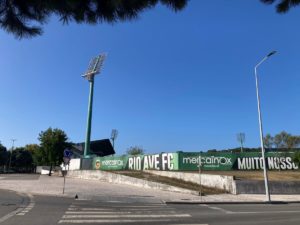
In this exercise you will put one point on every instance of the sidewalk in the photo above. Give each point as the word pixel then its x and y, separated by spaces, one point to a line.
pixel 94 189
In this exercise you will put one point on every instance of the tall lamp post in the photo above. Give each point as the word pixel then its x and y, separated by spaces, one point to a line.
pixel 261 127
pixel 12 148
pixel 93 69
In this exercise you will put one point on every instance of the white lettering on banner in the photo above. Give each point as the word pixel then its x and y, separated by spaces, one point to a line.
pixel 138 163
pixel 151 159
pixel 112 162
pixel 255 163
pixel 208 160
pixel 130 163
pixel 156 159
pixel 170 158
pixel 164 160
pixel 146 164
pixel 241 163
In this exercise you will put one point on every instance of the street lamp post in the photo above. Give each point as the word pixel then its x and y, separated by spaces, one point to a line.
pixel 261 127
pixel 12 148
pixel 93 69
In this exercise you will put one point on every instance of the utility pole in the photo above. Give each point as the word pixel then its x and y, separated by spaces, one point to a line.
pixel 93 69
pixel 268 197
pixel 12 148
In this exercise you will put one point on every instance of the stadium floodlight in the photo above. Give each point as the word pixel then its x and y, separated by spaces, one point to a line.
pixel 261 127
pixel 241 139
pixel 94 68
pixel 113 136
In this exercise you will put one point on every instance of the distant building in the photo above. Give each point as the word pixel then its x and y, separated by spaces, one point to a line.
pixel 98 148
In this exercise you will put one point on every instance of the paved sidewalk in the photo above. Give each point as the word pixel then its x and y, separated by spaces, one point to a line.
pixel 93 189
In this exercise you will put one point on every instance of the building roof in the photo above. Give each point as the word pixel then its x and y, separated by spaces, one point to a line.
pixel 99 147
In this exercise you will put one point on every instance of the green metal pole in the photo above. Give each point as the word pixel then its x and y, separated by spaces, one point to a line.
pixel 89 119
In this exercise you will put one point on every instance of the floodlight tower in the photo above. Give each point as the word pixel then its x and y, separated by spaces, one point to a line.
pixel 113 137
pixel 94 68
pixel 241 139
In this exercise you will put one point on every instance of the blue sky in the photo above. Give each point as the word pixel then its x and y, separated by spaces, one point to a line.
pixel 171 81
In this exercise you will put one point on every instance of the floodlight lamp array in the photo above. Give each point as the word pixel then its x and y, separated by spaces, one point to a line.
pixel 94 67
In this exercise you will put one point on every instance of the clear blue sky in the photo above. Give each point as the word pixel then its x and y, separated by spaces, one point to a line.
pixel 172 81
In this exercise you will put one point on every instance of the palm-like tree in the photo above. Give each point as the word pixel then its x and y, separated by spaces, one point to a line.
pixel 24 18
pixel 283 5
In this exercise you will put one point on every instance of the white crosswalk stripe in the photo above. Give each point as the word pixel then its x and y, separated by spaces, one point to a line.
pixel 80 214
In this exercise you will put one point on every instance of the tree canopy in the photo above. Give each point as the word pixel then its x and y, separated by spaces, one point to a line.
pixel 282 6
pixel 21 159
pixel 3 155
pixel 283 140
pixel 135 150
pixel 53 144
pixel 26 18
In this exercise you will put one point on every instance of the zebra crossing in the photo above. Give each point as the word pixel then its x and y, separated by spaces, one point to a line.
pixel 80 213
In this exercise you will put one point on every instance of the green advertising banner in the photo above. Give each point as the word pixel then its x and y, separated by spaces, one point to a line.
pixel 163 161
pixel 189 161
pixel 235 161
pixel 110 163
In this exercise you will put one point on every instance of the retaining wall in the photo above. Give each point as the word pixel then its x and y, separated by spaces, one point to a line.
pixel 222 182
pixel 121 179
pixel 275 187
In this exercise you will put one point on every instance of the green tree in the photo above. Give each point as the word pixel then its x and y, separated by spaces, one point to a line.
pixel 21 160
pixel 282 6
pixel 53 143
pixel 135 150
pixel 268 141
pixel 280 140
pixel 36 152
pixel 293 142
pixel 3 156
pixel 24 18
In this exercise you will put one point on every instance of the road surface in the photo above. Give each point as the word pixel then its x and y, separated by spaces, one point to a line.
pixel 49 210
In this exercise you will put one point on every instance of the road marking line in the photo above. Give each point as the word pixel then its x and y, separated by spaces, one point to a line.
pixel 263 212
pixel 110 212
pixel 19 210
pixel 112 221
pixel 95 213
pixel 88 209
pixel 125 216
pixel 219 209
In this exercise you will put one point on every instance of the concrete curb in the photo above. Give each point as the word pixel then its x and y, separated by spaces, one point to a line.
pixel 230 203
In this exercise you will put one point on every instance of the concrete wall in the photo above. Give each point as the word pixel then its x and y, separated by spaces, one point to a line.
pixel 275 187
pixel 121 179
pixel 73 165
pixel 226 183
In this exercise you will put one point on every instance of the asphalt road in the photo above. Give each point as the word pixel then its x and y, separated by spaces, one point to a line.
pixel 10 202
pixel 49 210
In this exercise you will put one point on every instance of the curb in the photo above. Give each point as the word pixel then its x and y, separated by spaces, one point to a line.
pixel 230 203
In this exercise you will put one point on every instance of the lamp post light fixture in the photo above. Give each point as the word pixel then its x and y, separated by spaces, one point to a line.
pixel 94 68
pixel 261 127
